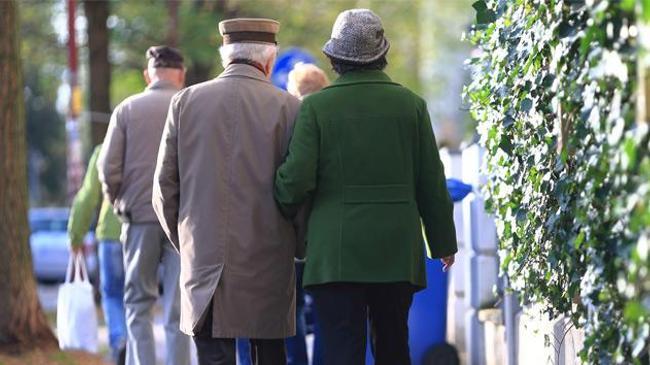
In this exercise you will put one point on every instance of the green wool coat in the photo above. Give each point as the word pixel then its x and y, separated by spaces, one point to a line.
pixel 364 151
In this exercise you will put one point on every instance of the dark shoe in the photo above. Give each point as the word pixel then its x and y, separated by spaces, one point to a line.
pixel 121 356
pixel 441 354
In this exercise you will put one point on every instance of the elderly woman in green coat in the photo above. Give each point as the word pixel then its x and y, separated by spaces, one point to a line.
pixel 363 150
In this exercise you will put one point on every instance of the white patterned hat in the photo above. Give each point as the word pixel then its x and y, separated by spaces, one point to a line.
pixel 357 37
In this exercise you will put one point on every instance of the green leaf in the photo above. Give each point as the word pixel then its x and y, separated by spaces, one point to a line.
pixel 548 80
pixel 629 147
pixel 645 10
pixel 508 121
pixel 506 145
pixel 628 5
pixel 567 29
pixel 579 240
pixel 634 310
pixel 483 14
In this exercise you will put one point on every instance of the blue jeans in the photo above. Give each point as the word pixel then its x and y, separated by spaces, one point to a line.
pixel 243 351
pixel 296 345
pixel 317 349
pixel 111 276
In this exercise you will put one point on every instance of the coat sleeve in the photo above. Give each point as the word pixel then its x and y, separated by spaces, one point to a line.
pixel 110 162
pixel 433 200
pixel 85 203
pixel 166 190
pixel 296 177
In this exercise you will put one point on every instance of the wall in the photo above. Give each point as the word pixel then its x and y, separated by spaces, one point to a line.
pixel 476 323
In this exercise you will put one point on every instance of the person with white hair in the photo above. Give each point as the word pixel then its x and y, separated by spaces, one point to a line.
pixel 305 79
pixel 126 166
pixel 213 194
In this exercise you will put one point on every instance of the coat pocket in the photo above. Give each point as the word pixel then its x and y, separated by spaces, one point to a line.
pixel 369 194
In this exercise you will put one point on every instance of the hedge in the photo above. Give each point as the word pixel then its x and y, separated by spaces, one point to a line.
pixel 553 89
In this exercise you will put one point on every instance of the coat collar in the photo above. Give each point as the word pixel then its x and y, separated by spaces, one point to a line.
pixel 161 84
pixel 243 70
pixel 362 77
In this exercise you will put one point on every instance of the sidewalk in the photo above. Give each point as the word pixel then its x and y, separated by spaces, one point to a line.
pixel 48 297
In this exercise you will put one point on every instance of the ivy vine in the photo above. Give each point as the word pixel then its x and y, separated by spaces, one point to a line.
pixel 553 90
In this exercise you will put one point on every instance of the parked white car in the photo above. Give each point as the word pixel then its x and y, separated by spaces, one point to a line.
pixel 50 243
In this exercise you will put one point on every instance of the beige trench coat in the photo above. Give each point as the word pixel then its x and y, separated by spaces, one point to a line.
pixel 127 159
pixel 213 193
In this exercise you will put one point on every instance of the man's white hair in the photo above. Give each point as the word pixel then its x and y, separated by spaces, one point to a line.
pixel 257 52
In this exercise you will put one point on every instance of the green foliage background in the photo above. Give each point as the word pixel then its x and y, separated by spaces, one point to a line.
pixel 572 213
pixel 135 25
pixel 43 59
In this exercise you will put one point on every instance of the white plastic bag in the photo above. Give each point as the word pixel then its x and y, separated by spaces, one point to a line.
pixel 76 319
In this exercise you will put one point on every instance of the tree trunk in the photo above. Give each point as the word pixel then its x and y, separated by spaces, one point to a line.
pixel 100 68
pixel 202 71
pixel 172 26
pixel 198 72
pixel 22 322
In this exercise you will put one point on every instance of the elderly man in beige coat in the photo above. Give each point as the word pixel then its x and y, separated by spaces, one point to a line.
pixel 213 194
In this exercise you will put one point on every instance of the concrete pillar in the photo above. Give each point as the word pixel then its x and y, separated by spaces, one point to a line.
pixel 547 342
pixel 456 306
pixel 481 257
pixel 495 336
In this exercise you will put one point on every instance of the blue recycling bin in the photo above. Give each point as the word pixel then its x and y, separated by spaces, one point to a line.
pixel 285 62
pixel 428 316
pixel 458 190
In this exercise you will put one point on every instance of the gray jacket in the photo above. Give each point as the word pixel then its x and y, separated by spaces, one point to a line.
pixel 213 193
pixel 127 159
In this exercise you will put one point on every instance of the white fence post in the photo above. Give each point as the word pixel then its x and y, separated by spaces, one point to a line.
pixel 482 258
pixel 456 306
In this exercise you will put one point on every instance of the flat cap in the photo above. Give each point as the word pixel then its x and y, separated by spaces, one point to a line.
pixel 164 57
pixel 249 30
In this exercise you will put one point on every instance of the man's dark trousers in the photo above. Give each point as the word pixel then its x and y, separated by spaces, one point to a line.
pixel 221 351
pixel 344 311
